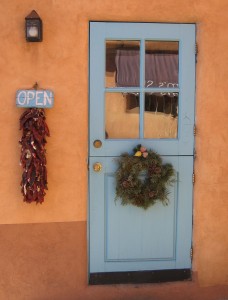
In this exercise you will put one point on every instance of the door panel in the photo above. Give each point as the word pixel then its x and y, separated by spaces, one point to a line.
pixel 183 143
pixel 128 238
pixel 132 101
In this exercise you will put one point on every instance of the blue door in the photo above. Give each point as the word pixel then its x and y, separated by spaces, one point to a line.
pixel 142 89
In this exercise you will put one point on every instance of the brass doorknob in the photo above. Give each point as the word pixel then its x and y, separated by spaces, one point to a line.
pixel 97 144
pixel 97 167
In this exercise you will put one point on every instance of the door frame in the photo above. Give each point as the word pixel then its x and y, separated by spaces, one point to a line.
pixel 135 276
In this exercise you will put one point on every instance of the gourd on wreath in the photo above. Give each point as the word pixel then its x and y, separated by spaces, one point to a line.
pixel 154 185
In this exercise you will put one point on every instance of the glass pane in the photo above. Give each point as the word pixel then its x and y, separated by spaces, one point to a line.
pixel 161 64
pixel 122 64
pixel 161 115
pixel 122 115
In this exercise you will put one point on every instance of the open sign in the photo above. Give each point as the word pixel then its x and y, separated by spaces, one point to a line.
pixel 35 98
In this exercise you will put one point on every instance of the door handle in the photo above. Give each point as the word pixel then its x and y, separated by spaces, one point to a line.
pixel 97 167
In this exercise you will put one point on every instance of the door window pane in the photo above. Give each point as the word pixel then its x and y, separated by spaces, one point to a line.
pixel 121 115
pixel 161 64
pixel 161 115
pixel 122 64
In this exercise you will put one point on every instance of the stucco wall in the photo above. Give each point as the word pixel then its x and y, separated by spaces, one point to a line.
pixel 60 63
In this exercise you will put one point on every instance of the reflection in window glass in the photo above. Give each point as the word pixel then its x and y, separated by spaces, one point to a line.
pixel 122 64
pixel 121 115
pixel 161 115
pixel 161 64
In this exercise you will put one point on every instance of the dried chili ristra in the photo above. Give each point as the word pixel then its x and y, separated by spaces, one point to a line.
pixel 33 158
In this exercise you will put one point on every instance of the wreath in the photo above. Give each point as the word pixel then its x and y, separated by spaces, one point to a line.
pixel 142 179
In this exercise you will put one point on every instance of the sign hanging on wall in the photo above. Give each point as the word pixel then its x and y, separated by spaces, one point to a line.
pixel 35 98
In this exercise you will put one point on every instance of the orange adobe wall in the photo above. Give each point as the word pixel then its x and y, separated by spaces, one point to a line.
pixel 60 63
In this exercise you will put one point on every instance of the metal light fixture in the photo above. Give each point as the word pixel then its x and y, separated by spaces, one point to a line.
pixel 33 27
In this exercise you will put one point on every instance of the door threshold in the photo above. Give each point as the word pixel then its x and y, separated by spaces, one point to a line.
pixel 138 277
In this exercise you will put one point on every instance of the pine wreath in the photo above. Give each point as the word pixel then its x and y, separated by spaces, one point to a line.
pixel 153 184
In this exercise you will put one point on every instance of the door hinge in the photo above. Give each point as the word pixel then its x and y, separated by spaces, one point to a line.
pixel 191 254
pixel 193 177
pixel 194 130
pixel 194 153
pixel 196 51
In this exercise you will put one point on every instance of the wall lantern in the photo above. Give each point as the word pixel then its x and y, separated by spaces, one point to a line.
pixel 33 27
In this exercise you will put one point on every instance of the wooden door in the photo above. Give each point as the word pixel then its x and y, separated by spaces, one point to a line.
pixel 142 89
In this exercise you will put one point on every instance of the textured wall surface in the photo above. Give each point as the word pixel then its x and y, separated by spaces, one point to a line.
pixel 49 262
pixel 60 63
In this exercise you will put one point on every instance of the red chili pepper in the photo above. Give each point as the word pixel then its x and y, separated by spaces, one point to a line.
pixel 33 159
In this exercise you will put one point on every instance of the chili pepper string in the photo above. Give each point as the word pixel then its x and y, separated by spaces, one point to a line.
pixel 33 154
